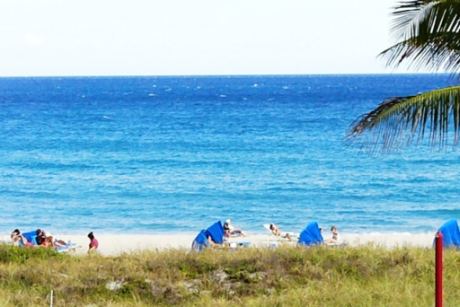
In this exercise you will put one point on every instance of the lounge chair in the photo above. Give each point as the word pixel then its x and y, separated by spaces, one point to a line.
pixel 282 237
pixel 450 234
pixel 68 247
pixel 311 235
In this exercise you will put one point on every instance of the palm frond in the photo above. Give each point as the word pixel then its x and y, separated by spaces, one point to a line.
pixel 439 51
pixel 401 120
pixel 428 34
pixel 421 17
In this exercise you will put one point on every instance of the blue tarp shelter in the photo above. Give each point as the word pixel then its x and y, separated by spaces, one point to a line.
pixel 311 235
pixel 450 234
pixel 200 242
pixel 215 232
pixel 31 237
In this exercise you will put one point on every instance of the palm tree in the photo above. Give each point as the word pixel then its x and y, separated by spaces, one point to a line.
pixel 428 34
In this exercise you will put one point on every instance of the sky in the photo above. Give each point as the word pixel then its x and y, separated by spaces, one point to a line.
pixel 193 37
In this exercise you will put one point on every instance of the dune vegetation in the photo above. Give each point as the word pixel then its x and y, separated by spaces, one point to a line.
pixel 362 276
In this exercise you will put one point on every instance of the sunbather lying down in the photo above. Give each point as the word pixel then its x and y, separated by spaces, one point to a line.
pixel 276 231
pixel 40 238
pixel 231 231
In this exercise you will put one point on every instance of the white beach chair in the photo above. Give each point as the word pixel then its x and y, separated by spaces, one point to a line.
pixel 282 238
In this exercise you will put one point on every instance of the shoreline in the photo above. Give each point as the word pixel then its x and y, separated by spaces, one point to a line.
pixel 111 244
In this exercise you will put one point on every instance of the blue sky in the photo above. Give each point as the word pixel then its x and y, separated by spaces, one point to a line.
pixel 193 37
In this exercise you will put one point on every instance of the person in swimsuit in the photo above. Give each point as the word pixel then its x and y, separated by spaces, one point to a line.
pixel 18 239
pixel 231 231
pixel 334 235
pixel 277 232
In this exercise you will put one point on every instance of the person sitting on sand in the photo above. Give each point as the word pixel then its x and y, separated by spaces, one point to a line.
pixel 277 232
pixel 41 238
pixel 230 231
pixel 46 239
pixel 93 243
pixel 18 239
pixel 334 236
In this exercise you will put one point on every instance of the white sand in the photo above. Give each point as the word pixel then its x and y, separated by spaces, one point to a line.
pixel 114 244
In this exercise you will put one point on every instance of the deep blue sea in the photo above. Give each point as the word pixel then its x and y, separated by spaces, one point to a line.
pixel 173 154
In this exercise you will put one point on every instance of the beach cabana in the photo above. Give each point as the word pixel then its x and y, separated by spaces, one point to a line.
pixel 311 235
pixel 450 234
pixel 215 231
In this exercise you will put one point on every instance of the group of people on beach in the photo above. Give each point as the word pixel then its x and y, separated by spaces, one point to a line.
pixel 231 231
pixel 275 230
pixel 45 239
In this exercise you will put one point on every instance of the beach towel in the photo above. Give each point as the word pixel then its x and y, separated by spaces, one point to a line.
pixel 450 234
pixel 68 247
pixel 311 235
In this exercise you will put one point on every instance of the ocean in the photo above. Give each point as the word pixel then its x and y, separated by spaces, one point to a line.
pixel 174 154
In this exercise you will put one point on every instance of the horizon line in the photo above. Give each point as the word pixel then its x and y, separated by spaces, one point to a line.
pixel 226 75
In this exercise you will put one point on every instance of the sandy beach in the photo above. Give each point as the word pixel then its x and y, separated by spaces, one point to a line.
pixel 115 244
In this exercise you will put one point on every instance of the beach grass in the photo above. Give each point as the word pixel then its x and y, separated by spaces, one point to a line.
pixel 286 276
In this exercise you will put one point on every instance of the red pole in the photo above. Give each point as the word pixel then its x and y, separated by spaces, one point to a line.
pixel 438 274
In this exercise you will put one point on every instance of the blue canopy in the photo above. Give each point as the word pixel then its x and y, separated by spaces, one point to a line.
pixel 450 234
pixel 200 242
pixel 311 235
pixel 31 237
pixel 215 231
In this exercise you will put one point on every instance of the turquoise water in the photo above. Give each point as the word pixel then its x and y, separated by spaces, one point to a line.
pixel 168 154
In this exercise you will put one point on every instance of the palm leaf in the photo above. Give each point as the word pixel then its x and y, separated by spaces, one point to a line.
pixel 401 120
pixel 428 34
pixel 421 17
pixel 440 51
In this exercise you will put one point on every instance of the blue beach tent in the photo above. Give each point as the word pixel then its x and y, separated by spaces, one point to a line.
pixel 311 235
pixel 200 242
pixel 31 237
pixel 450 234
pixel 215 231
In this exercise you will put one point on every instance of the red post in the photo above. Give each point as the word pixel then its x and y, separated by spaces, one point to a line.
pixel 438 273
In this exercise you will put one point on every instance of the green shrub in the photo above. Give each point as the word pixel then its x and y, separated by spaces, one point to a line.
pixel 363 276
